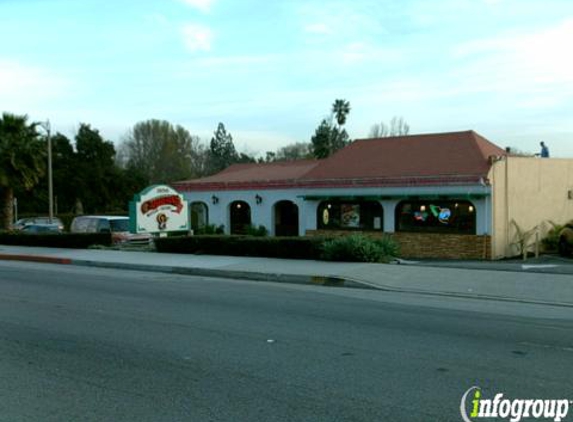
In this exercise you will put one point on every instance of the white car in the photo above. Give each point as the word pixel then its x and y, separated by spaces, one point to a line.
pixel 118 226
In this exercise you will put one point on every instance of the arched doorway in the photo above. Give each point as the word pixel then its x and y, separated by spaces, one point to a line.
pixel 240 213
pixel 199 216
pixel 286 218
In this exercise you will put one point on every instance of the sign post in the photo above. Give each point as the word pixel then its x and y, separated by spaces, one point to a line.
pixel 158 209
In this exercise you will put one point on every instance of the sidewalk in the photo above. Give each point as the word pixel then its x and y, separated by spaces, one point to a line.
pixel 416 277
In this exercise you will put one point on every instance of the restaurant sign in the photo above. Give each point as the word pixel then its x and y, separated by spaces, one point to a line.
pixel 158 209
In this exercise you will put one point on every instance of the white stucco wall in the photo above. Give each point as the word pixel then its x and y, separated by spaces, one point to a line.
pixel 263 213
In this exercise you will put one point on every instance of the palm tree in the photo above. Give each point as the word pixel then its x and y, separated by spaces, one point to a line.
pixel 340 109
pixel 22 160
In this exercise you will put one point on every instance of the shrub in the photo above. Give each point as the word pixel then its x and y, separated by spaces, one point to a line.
pixel 269 247
pixel 61 240
pixel 359 248
pixel 210 229
pixel 551 241
pixel 259 231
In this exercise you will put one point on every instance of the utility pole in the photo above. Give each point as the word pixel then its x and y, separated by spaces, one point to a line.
pixel 46 126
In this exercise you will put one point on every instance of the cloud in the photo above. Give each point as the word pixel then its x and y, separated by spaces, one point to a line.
pixel 532 63
pixel 157 19
pixel 202 5
pixel 25 86
pixel 197 37
pixel 341 21
pixel 319 28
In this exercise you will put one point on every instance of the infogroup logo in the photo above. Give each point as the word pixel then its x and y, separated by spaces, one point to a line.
pixel 514 410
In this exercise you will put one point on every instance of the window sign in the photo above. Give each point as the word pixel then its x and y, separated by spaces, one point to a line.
pixel 443 216
pixel 350 215
pixel 325 217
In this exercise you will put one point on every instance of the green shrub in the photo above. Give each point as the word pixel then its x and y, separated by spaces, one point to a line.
pixel 347 248
pixel 551 241
pixel 268 247
pixel 259 231
pixel 359 248
pixel 61 240
pixel 210 229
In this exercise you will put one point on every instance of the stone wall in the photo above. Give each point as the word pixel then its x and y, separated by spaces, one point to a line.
pixel 430 245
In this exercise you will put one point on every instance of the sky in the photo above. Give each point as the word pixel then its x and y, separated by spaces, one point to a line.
pixel 270 70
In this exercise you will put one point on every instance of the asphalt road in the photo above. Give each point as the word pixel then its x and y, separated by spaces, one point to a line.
pixel 83 344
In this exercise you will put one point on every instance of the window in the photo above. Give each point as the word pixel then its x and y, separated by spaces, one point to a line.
pixel 439 216
pixel 119 225
pixel 199 216
pixel 350 215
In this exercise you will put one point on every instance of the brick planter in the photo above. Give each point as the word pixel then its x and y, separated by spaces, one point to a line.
pixel 430 245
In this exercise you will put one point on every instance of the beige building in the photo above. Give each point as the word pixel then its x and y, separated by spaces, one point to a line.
pixel 528 193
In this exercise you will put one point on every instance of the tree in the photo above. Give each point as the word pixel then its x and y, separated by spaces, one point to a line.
pixel 296 151
pixel 340 109
pixel 162 153
pixel 22 160
pixel 97 170
pixel 397 127
pixel 65 181
pixel 246 158
pixel 222 152
pixel 321 140
pixel 328 137
pixel 66 176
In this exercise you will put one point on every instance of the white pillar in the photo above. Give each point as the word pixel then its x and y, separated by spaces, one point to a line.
pixel 389 206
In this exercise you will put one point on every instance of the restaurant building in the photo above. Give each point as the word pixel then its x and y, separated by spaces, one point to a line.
pixel 446 195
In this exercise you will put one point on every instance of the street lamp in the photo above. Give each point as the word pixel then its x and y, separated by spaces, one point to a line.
pixel 46 126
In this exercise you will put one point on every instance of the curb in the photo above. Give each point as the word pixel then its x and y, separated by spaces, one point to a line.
pixel 475 296
pixel 327 281
pixel 36 258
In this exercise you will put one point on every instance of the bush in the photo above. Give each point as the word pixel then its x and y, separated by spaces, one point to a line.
pixel 359 248
pixel 268 247
pixel 210 229
pixel 259 231
pixel 62 240
pixel 355 248
pixel 551 241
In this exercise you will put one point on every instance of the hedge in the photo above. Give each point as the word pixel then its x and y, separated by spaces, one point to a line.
pixel 56 240
pixel 266 247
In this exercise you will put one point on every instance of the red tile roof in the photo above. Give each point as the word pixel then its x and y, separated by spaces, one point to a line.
pixel 429 159
pixel 282 170
pixel 443 154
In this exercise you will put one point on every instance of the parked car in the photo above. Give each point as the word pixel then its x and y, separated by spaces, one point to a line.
pixel 118 226
pixel 41 229
pixel 23 222
pixel 566 240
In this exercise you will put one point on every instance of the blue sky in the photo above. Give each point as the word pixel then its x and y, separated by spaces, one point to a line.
pixel 270 70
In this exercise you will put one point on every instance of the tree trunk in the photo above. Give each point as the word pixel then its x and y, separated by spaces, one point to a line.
pixel 6 212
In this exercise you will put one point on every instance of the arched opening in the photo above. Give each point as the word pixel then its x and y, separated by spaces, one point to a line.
pixel 240 213
pixel 436 216
pixel 286 218
pixel 358 215
pixel 199 216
